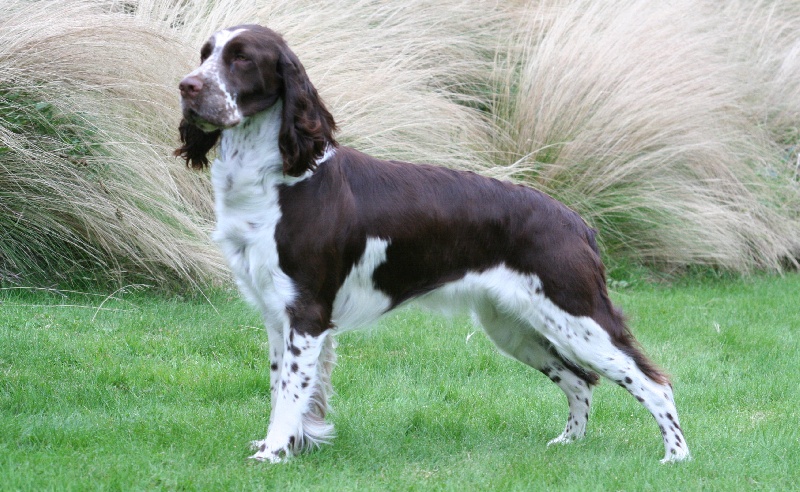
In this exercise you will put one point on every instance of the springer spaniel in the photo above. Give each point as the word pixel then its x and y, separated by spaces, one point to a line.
pixel 322 239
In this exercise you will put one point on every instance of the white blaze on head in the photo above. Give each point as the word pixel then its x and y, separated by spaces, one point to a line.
pixel 218 99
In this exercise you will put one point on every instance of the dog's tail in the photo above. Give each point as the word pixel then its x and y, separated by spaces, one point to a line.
pixel 624 340
pixel 613 322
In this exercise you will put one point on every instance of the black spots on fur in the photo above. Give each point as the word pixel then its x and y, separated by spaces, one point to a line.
pixel 292 440
pixel 294 367
pixel 304 384
pixel 273 366
pixel 556 379
pixel 291 347
pixel 625 382
pixel 639 399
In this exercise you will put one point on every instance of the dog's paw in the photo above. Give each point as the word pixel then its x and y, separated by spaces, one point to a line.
pixel 562 439
pixel 675 455
pixel 570 435
pixel 270 453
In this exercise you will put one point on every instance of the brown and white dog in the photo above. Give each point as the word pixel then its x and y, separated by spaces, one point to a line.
pixel 322 239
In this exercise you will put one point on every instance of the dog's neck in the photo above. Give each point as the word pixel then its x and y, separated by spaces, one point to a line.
pixel 251 147
pixel 249 153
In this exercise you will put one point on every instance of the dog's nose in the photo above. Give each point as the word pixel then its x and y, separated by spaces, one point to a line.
pixel 190 86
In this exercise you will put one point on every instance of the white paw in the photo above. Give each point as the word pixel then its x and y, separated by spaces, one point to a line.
pixel 563 439
pixel 267 452
pixel 676 455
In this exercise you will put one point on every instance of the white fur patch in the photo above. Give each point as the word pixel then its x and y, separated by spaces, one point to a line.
pixel 329 152
pixel 358 302
pixel 245 180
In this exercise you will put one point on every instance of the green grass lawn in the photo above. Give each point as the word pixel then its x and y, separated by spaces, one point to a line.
pixel 147 393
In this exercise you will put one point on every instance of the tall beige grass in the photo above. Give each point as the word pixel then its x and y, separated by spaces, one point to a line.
pixel 121 209
pixel 671 126
pixel 643 116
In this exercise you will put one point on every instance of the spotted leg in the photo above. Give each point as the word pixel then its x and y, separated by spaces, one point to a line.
pixel 582 340
pixel 518 341
pixel 577 385
pixel 276 349
pixel 659 400
pixel 300 393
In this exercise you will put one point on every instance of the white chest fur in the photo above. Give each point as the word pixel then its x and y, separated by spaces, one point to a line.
pixel 246 177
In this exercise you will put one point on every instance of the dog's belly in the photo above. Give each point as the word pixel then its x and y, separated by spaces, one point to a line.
pixel 360 301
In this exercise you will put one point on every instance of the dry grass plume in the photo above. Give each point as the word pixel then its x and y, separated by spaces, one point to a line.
pixel 672 127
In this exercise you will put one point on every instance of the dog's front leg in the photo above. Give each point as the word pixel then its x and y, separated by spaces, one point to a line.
pixel 299 397
pixel 277 347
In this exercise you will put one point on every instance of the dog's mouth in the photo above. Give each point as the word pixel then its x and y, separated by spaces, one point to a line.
pixel 209 123
pixel 195 119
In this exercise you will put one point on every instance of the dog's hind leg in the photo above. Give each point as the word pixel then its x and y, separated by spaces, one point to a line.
pixel 517 340
pixel 609 350
pixel 583 340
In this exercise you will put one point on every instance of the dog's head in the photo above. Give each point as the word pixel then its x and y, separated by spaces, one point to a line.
pixel 244 70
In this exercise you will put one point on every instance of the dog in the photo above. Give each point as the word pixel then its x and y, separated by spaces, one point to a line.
pixel 322 239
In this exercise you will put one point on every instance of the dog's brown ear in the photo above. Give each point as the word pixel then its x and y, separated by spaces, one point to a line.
pixel 307 126
pixel 196 144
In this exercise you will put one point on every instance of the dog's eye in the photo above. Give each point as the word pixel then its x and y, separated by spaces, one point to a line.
pixel 205 52
pixel 240 58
